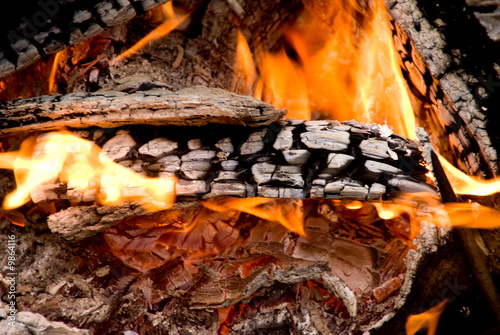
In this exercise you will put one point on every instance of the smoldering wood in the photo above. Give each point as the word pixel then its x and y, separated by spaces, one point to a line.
pixel 195 106
pixel 291 267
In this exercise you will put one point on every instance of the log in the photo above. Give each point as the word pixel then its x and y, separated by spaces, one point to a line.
pixel 236 161
pixel 36 30
pixel 456 84
pixel 196 106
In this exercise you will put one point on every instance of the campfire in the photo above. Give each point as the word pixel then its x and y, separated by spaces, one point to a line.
pixel 242 167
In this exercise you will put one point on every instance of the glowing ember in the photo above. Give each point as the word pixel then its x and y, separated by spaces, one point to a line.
pixel 285 211
pixel 172 21
pixel 428 319
pixel 78 162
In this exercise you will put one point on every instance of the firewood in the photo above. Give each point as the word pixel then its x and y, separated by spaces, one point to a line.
pixel 80 23
pixel 350 174
pixel 192 106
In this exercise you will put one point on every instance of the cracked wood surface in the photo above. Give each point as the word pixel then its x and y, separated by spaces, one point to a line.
pixel 344 161
pixel 195 106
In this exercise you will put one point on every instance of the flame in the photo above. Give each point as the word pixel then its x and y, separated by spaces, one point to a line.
pixel 70 159
pixel 285 83
pixel 464 184
pixel 172 21
pixel 428 319
pixel 244 67
pixel 339 74
pixel 286 212
pixel 53 72
pixel 466 215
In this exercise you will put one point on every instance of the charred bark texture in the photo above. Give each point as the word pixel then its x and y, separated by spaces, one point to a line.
pixel 32 30
pixel 451 66
pixel 290 159
pixel 107 109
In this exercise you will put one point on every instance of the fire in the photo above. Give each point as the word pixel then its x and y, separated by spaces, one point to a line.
pixel 285 83
pixel 65 157
pixel 171 21
pixel 348 70
pixel 285 211
pixel 428 319
pixel 53 72
pixel 464 184
pixel 244 67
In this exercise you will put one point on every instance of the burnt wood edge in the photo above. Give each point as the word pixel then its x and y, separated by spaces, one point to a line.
pixel 194 106
pixel 475 256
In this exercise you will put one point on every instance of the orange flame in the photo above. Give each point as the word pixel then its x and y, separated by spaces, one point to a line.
pixel 464 184
pixel 466 215
pixel 53 72
pixel 339 74
pixel 244 67
pixel 172 21
pixel 428 319
pixel 285 82
pixel 286 212
pixel 70 159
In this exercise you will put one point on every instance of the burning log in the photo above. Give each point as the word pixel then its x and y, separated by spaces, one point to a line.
pixel 286 159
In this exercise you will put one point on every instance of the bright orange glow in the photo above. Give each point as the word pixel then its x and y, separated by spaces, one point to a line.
pixel 285 211
pixel 466 215
pixel 53 72
pixel 70 159
pixel 285 83
pixel 428 319
pixel 346 71
pixel 354 205
pixel 464 184
pixel 389 211
pixel 244 67
pixel 172 21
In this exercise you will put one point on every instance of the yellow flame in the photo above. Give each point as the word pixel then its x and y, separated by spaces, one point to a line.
pixel 466 215
pixel 63 156
pixel 464 184
pixel 172 21
pixel 428 319
pixel 285 211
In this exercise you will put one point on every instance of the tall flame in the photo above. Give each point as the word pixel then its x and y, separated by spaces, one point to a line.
pixel 70 159
pixel 338 73
pixel 286 84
